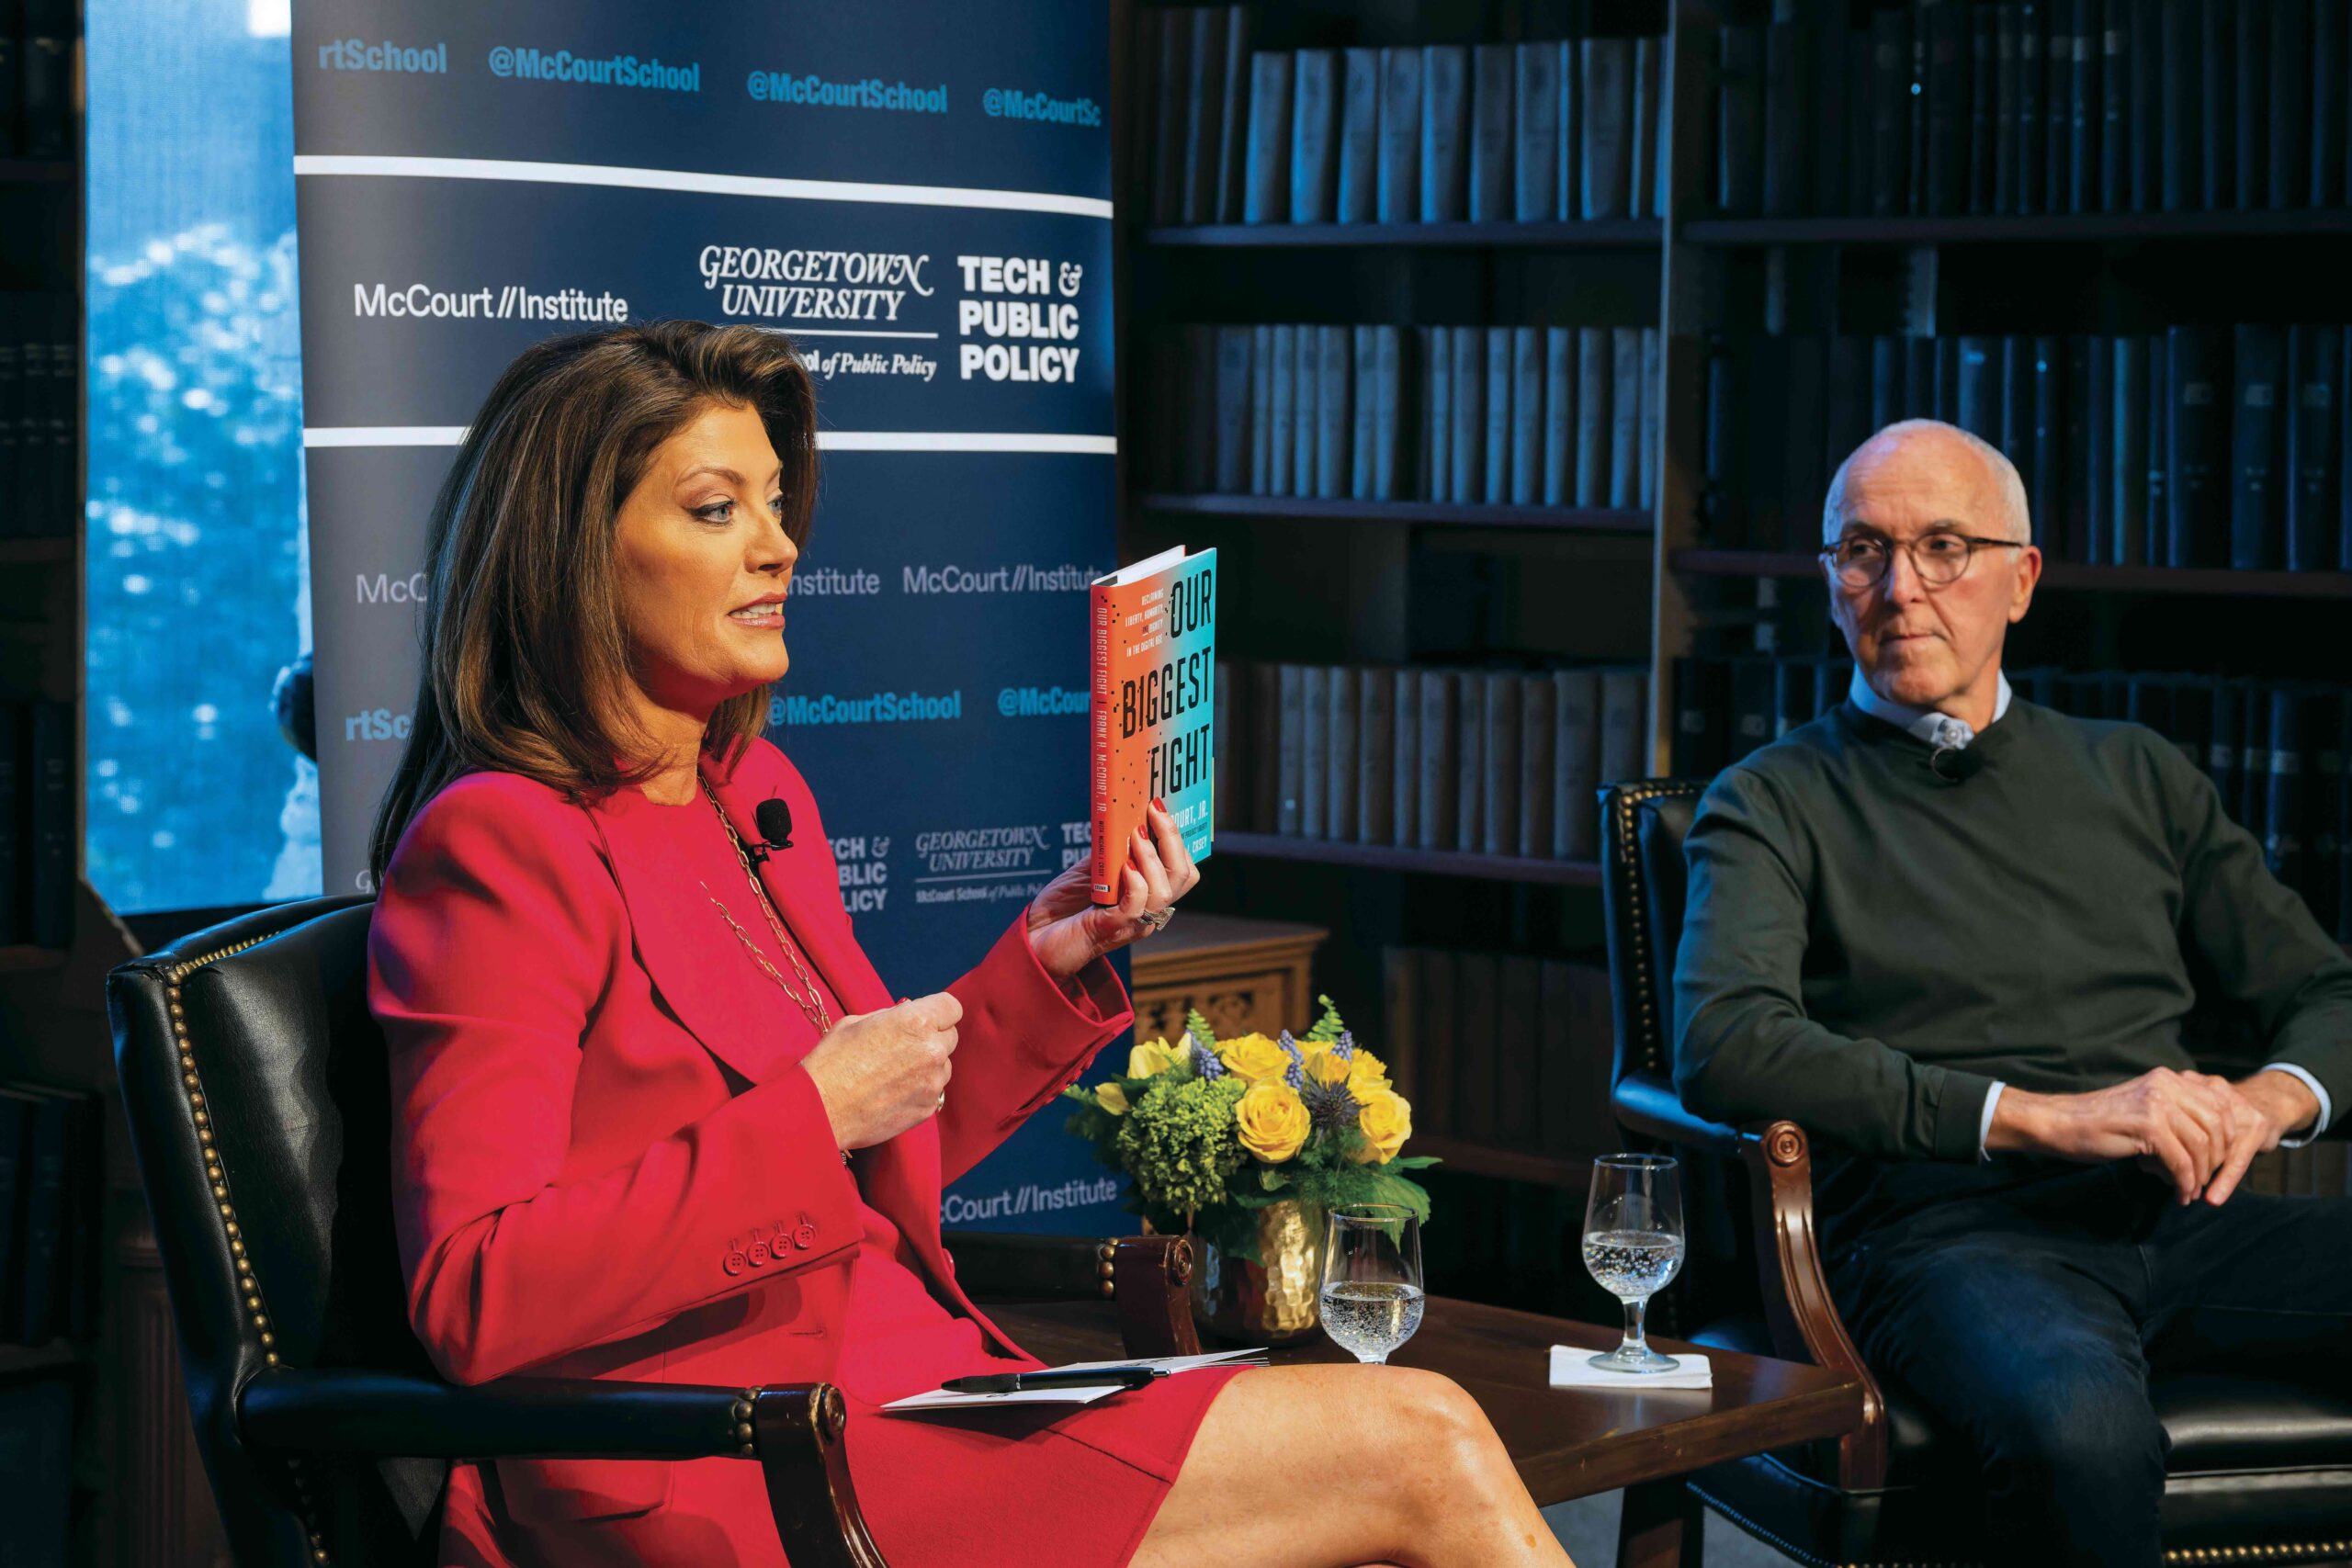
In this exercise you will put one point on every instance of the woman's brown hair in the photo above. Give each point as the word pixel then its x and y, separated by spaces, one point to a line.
pixel 525 655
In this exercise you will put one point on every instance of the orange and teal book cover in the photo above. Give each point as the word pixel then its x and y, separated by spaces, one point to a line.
pixel 1151 720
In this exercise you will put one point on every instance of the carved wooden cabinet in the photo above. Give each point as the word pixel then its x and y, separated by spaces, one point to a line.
pixel 1242 974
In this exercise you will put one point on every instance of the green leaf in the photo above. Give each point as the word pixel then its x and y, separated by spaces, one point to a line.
pixel 1198 1027
pixel 1327 1027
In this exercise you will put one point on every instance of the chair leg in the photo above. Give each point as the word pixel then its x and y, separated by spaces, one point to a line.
pixel 1661 1526
pixel 798 1435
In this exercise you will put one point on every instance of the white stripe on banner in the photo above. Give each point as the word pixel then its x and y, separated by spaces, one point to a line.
pixel 689 179
pixel 827 440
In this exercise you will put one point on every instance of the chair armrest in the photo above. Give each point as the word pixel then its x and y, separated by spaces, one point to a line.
pixel 1797 1303
pixel 1645 1102
pixel 1148 1278
pixel 793 1431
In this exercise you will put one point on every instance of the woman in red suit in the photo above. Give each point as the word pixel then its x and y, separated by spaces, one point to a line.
pixel 657 1117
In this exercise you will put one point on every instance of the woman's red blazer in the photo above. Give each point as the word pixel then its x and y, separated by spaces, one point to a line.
pixel 600 1171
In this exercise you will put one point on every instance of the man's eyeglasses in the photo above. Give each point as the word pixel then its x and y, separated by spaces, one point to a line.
pixel 1941 557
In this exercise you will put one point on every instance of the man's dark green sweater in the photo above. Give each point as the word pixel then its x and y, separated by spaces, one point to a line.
pixel 1867 947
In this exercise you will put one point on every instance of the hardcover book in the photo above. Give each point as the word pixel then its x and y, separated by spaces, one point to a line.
pixel 1152 718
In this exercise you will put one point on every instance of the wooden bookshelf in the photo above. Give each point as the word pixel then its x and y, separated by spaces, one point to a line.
pixel 1417 513
pixel 2084 227
pixel 2057 574
pixel 1388 857
pixel 1588 234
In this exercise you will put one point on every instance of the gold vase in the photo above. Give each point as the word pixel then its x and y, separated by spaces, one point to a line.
pixel 1268 1302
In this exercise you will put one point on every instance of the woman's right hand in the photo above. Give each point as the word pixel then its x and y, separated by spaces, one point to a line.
pixel 880 1073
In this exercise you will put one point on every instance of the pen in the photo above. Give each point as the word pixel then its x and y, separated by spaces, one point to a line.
pixel 1014 1382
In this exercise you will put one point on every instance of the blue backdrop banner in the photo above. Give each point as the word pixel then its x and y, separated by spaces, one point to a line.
pixel 919 195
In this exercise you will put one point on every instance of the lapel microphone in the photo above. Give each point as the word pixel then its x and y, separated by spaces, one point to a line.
pixel 773 818
pixel 1953 764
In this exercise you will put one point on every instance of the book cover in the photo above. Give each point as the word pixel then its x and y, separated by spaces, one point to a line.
pixel 1400 135
pixel 1376 750
pixel 1526 415
pixel 1559 415
pixel 1359 136
pixel 1576 764
pixel 1445 126
pixel 1499 765
pixel 2257 449
pixel 1306 407
pixel 2315 370
pixel 1538 726
pixel 1405 792
pixel 1267 197
pixel 1535 107
pixel 1204 115
pixel 1739 119
pixel 1364 406
pixel 1495 490
pixel 1607 99
pixel 1315 752
pixel 1233 118
pixel 1315 137
pixel 1491 69
pixel 1333 425
pixel 1152 714
pixel 1344 761
pixel 1261 408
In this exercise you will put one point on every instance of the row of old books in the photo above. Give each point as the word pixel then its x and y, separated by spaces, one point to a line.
pixel 1497 415
pixel 1941 107
pixel 2195 447
pixel 36 822
pixel 1484 761
pixel 1512 132
pixel 52 1177
pixel 40 413
pixel 37 79
pixel 1502 1050
pixel 2275 750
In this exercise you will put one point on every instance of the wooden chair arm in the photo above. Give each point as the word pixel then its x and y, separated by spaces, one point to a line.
pixel 1147 1278
pixel 797 1434
pixel 1797 1305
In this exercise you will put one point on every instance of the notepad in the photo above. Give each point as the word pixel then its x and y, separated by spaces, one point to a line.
pixel 1572 1368
pixel 1074 1393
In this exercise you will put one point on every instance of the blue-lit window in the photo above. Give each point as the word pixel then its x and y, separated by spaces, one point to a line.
pixel 199 584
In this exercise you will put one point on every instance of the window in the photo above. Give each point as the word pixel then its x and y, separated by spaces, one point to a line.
pixel 198 580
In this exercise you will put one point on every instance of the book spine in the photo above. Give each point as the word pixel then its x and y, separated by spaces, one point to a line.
pixel 1377 748
pixel 1171 102
pixel 1469 416
pixel 2328 126
pixel 1315 752
pixel 2033 129
pixel 1535 107
pixel 1400 135
pixel 2216 53
pixel 1204 111
pixel 1343 771
pixel 2290 103
pixel 1391 467
pixel 1437 403
pixel 1645 187
pixel 2251 55
pixel 43 1220
pixel 2115 127
pixel 1495 489
pixel 2155 524
pixel 1607 99
pixel 1559 415
pixel 1359 200
pixel 1567 152
pixel 1623 721
pixel 1947 161
pixel 1439 782
pixel 1233 122
pixel 1625 415
pixel 1233 385
pixel 2006 66
pixel 1290 757
pixel 1982 85
pixel 1740 112
pixel 2098 541
pixel 1282 416
pixel 2315 367
pixel 1334 424
pixel 1576 764
pixel 1306 408
pixel 1200 444
pixel 1490 134
pixel 1595 378
pixel 2148 130
pixel 1889 113
pixel 1445 123
pixel 1401 996
pixel 50 783
pixel 1313 148
pixel 1499 765
pixel 1526 415
pixel 1363 408
pixel 1469 761
pixel 1261 409
pixel 2130 476
pixel 2256 445
pixel 1404 807
pixel 1538 726
pixel 1266 199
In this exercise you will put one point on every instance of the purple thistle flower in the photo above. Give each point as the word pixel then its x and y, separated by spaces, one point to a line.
pixel 1328 1105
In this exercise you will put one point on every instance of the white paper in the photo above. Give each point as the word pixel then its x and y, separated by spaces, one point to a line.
pixel 1073 1394
pixel 1572 1368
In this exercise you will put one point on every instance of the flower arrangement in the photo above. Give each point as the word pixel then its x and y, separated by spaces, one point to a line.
pixel 1209 1132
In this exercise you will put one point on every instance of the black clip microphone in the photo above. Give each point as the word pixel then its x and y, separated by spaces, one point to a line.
pixel 1956 764
pixel 774 821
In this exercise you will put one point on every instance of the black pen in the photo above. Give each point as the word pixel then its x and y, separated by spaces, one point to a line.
pixel 1016 1382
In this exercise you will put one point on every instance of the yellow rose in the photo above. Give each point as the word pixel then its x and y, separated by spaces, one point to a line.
pixel 1151 1058
pixel 1272 1121
pixel 1366 1072
pixel 1111 1098
pixel 1325 1070
pixel 1386 1121
pixel 1254 1059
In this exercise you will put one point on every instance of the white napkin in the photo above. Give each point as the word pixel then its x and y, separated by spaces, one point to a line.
pixel 1571 1367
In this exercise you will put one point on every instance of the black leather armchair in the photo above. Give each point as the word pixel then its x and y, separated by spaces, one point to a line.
pixel 2260 1470
pixel 259 1103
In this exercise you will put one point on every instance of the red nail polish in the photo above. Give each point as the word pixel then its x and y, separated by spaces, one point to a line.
pixel 1160 803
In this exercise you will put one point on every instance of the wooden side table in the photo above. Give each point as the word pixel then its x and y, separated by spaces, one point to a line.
pixel 1242 974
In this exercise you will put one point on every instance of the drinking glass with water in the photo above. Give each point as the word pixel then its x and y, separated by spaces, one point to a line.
pixel 1633 1246
pixel 1372 1279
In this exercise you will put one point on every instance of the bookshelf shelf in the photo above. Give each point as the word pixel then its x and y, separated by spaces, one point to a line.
pixel 1557 519
pixel 37 171
pixel 1574 1172
pixel 2059 574
pixel 21 960
pixel 40 1358
pixel 1385 857
pixel 1594 234
pixel 2084 227
pixel 35 552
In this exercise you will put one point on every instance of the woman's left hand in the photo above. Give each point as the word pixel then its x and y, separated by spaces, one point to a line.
pixel 1067 929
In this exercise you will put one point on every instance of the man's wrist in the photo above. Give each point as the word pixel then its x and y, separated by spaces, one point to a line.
pixel 2285 1099
pixel 2017 1122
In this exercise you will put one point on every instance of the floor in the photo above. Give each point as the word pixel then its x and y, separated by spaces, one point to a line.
pixel 1587 1528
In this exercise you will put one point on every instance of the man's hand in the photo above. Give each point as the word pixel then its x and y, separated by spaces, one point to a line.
pixel 2200 1130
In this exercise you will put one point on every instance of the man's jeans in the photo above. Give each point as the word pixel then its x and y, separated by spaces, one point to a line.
pixel 2027 1318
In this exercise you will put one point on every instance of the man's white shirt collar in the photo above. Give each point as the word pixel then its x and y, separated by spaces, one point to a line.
pixel 1926 724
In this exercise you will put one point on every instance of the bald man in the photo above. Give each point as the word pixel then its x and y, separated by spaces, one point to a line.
pixel 1953 934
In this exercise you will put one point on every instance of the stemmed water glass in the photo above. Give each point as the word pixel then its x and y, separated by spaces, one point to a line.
pixel 1633 1246
pixel 1372 1279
